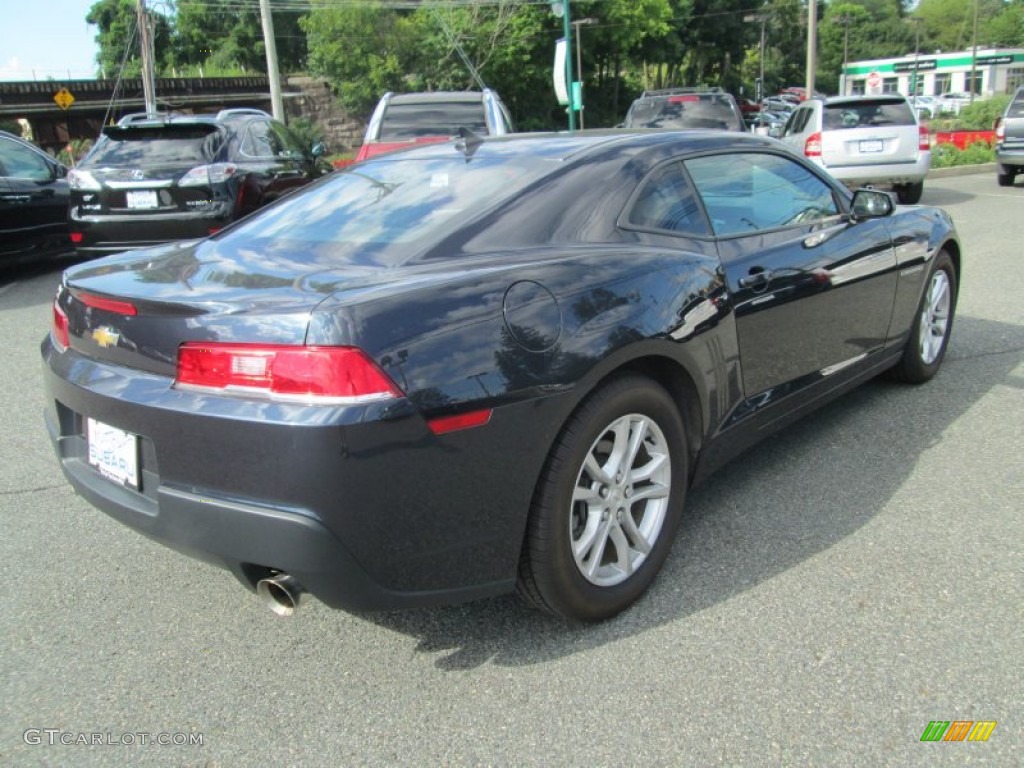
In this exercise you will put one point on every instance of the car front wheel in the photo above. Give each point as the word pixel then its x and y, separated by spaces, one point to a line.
pixel 607 504
pixel 932 326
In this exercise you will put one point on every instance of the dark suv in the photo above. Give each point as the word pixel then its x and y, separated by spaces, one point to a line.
pixel 1010 140
pixel 151 179
pixel 683 108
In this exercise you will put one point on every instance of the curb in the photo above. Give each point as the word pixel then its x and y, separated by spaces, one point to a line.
pixel 961 170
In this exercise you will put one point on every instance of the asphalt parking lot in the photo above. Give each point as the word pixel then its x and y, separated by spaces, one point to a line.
pixel 830 594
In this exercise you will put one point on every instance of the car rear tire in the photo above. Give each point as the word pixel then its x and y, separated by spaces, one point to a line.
pixel 1005 175
pixel 607 504
pixel 929 335
pixel 910 194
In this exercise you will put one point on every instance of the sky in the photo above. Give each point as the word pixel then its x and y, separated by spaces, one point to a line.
pixel 40 39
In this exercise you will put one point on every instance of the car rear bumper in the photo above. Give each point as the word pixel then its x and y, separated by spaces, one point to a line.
pixel 910 172
pixel 367 511
pixel 1009 155
pixel 111 234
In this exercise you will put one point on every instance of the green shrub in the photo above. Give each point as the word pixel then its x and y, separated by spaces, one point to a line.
pixel 947 155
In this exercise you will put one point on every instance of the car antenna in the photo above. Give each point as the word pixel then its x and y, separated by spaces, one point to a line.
pixel 470 142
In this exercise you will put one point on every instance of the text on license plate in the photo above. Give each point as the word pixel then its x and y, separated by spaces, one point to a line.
pixel 871 145
pixel 114 452
pixel 146 198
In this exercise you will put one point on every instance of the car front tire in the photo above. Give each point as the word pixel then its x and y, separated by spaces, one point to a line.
pixel 929 335
pixel 607 504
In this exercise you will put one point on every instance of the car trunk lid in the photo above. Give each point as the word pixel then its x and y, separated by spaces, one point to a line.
pixel 869 132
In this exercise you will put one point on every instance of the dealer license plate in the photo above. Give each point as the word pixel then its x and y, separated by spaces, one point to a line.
pixel 114 452
pixel 871 145
pixel 146 198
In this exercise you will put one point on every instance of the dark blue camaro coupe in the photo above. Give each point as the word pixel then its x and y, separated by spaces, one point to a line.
pixel 485 365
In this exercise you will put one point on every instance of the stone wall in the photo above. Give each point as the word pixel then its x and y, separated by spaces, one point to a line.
pixel 311 99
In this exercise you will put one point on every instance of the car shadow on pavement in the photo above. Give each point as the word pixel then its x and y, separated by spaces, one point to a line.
pixel 788 499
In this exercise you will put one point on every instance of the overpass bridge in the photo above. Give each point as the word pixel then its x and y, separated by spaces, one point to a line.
pixel 92 103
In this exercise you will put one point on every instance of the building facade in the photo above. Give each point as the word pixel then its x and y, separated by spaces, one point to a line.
pixel 990 72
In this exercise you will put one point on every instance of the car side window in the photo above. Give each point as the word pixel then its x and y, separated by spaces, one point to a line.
pixel 748 192
pixel 259 140
pixel 18 162
pixel 666 201
pixel 287 140
pixel 798 121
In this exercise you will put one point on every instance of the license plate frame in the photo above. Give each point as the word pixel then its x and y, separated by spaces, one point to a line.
pixel 113 452
pixel 870 146
pixel 141 199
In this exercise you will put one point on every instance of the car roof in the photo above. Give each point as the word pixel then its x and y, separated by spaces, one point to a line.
pixel 563 146
pixel 429 97
pixel 891 98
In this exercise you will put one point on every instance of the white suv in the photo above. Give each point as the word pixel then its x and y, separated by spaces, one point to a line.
pixel 864 140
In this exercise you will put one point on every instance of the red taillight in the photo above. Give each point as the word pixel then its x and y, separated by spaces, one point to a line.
pixel 76 237
pixel 342 374
pixel 682 99
pixel 107 305
pixel 924 140
pixel 812 147
pixel 445 424
pixel 60 327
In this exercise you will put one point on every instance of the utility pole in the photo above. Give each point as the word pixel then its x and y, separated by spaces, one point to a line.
pixel 763 18
pixel 812 45
pixel 273 73
pixel 146 50
pixel 579 59
pixel 974 54
pixel 917 53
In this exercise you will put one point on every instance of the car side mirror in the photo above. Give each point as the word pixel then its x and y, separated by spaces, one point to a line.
pixel 318 149
pixel 872 204
pixel 775 131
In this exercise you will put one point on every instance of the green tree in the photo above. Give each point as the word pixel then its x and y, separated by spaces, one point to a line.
pixel 118 37
pixel 224 35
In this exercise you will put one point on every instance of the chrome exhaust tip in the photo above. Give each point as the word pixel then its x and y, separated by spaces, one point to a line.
pixel 281 593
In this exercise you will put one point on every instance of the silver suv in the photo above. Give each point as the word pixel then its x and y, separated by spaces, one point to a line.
pixel 864 140
pixel 1010 140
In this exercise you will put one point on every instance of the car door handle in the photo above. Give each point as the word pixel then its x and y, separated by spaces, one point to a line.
pixel 16 198
pixel 758 278
pixel 287 174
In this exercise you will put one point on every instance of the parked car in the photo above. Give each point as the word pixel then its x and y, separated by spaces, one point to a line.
pixel 402 120
pixel 952 103
pixel 681 108
pixel 863 140
pixel 150 180
pixel 778 105
pixel 33 202
pixel 484 366
pixel 925 106
pixel 763 122
pixel 1010 140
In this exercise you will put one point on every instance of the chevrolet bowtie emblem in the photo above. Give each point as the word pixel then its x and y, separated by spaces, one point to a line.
pixel 106 337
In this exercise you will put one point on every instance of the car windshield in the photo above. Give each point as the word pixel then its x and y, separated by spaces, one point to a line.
pixel 443 118
pixel 867 113
pixel 384 211
pixel 159 145
pixel 683 111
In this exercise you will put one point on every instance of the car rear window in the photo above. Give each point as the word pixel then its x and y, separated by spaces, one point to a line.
pixel 1016 108
pixel 411 121
pixel 383 210
pixel 160 145
pixel 684 111
pixel 864 114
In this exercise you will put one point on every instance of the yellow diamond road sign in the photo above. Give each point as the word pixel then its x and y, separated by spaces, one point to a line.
pixel 64 98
